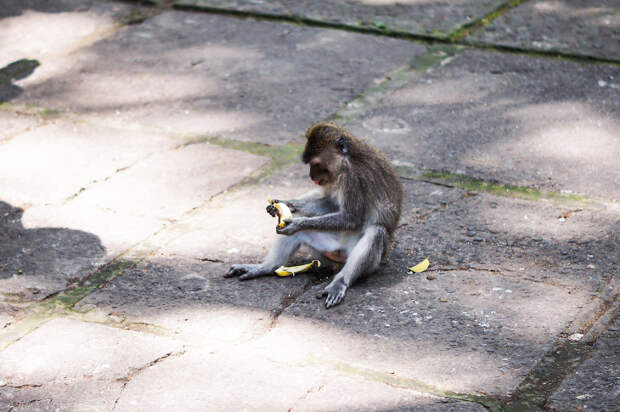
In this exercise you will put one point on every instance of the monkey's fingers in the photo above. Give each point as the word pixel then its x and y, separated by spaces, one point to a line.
pixel 234 271
pixel 335 294
pixel 271 209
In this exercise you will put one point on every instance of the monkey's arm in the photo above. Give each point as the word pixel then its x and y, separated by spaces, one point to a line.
pixel 336 222
pixel 313 207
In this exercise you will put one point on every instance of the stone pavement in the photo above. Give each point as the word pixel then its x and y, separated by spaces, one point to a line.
pixel 139 142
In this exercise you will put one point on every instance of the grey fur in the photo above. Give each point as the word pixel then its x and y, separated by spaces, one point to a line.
pixel 357 212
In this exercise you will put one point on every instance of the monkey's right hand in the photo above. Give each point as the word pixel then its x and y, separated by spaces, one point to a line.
pixel 271 209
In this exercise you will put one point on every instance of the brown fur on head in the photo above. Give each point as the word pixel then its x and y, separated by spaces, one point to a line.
pixel 364 177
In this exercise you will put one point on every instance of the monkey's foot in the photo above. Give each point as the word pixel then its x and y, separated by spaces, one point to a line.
pixel 335 292
pixel 247 271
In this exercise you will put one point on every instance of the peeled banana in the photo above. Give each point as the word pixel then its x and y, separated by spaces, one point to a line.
pixel 420 267
pixel 284 213
pixel 293 270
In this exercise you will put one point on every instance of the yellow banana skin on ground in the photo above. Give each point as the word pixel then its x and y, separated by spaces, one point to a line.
pixel 420 267
pixel 293 270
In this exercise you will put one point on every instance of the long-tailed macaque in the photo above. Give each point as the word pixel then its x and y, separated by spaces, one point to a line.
pixel 352 218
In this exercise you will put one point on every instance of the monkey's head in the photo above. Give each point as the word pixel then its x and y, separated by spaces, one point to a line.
pixel 327 146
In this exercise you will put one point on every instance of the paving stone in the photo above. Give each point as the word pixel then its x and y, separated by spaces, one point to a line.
pixel 266 386
pixel 193 299
pixel 463 331
pixel 14 124
pixel 51 163
pixel 116 232
pixel 209 74
pixel 525 239
pixel 594 385
pixel 167 184
pixel 575 26
pixel 430 17
pixel 43 30
pixel 536 122
pixel 75 365
pixel 35 263
pixel 355 394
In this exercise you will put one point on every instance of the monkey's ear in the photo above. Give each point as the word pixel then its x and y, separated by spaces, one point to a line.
pixel 342 145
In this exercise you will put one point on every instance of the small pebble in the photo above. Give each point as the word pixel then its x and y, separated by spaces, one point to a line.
pixel 431 277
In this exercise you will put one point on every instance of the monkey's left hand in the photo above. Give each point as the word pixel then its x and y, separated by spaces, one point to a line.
pixel 292 227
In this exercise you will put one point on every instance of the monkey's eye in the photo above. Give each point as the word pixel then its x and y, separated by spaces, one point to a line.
pixel 341 144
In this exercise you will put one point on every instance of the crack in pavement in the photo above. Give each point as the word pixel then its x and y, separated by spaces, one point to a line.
pixel 135 372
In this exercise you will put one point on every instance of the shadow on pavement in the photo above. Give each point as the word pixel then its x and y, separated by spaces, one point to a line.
pixel 36 263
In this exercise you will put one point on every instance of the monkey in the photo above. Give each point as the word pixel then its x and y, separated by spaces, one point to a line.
pixel 350 220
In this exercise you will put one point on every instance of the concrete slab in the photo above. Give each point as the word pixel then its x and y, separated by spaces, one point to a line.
pixel 14 124
pixel 575 26
pixel 536 122
pixel 49 164
pixel 193 300
pixel 35 263
pixel 594 385
pixel 77 366
pixel 117 232
pixel 523 239
pixel 429 17
pixel 167 184
pixel 45 30
pixel 462 332
pixel 266 386
pixel 216 75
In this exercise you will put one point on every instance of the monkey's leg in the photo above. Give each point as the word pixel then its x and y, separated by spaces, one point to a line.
pixel 279 255
pixel 365 257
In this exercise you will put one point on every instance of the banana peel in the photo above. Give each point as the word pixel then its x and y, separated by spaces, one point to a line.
pixel 420 267
pixel 284 213
pixel 293 270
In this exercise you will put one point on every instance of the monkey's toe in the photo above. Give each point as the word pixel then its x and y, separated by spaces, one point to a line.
pixel 335 295
pixel 234 271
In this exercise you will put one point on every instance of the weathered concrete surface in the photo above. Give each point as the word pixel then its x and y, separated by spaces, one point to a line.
pixel 35 263
pixel 74 365
pixel 50 164
pixel 216 75
pixel 429 17
pixel 536 122
pixel 193 299
pixel 590 28
pixel 508 277
pixel 169 183
pixel 263 385
pixel 14 124
pixel 594 385
pixel 47 29
pixel 524 239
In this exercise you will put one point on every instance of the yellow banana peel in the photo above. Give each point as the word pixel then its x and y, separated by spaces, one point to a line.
pixel 420 267
pixel 293 270
pixel 284 213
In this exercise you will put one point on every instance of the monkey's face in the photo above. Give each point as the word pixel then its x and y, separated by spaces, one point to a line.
pixel 324 167
pixel 325 149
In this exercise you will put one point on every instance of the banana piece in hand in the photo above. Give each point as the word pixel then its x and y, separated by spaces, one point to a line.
pixel 284 213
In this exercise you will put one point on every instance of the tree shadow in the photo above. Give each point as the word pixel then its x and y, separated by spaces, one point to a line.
pixel 17 70
pixel 37 263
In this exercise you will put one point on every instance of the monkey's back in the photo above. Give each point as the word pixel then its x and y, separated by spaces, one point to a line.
pixel 378 186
